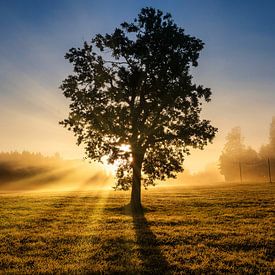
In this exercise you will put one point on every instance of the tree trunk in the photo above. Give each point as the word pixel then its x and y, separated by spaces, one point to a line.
pixel 136 183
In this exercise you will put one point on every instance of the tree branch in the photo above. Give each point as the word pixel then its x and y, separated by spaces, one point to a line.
pixel 115 62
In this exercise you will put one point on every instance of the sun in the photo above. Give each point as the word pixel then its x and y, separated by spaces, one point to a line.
pixel 112 168
pixel 125 147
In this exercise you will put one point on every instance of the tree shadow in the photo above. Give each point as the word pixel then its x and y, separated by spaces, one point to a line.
pixel 153 260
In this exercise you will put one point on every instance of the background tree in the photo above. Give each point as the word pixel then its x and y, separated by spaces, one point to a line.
pixel 133 87
pixel 232 155
pixel 236 154
pixel 268 150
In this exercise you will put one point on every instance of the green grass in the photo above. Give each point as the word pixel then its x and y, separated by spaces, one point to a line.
pixel 218 229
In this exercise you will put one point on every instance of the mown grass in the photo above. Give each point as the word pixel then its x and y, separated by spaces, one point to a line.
pixel 218 229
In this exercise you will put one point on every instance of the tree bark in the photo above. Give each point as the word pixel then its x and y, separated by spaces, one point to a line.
pixel 136 183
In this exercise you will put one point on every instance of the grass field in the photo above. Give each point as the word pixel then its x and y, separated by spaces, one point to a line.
pixel 218 229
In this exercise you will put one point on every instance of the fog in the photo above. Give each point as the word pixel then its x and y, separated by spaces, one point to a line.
pixel 26 171
pixel 32 171
pixel 238 162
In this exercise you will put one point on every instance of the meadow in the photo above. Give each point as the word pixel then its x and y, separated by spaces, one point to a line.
pixel 200 229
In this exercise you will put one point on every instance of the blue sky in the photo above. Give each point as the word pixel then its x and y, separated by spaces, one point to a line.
pixel 237 63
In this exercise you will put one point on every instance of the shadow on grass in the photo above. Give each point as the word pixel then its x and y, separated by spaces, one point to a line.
pixel 153 260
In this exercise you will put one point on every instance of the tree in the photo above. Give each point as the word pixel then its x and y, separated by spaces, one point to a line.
pixel 268 150
pixel 133 87
pixel 232 155
pixel 238 158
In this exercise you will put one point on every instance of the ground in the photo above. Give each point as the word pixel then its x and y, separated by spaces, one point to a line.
pixel 216 229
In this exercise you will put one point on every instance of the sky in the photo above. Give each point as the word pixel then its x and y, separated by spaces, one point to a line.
pixel 237 63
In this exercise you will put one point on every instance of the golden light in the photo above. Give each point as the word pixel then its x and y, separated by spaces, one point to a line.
pixel 111 169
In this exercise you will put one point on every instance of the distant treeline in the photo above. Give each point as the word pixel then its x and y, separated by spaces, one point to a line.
pixel 239 162
pixel 25 170
pixel 27 157
pixel 21 165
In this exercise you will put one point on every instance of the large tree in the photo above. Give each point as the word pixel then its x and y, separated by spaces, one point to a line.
pixel 133 87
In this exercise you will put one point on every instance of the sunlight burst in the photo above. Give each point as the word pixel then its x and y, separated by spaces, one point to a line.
pixel 111 169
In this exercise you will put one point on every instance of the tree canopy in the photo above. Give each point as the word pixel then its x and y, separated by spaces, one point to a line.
pixel 133 87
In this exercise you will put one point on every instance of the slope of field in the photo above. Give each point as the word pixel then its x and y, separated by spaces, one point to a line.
pixel 214 229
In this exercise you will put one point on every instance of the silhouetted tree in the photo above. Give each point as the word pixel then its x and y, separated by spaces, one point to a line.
pixel 133 87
